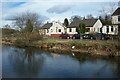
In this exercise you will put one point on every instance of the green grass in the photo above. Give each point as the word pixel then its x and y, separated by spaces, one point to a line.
pixel 87 42
pixel 98 44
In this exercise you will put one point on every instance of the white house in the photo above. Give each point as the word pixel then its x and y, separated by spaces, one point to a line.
pixel 52 29
pixel 92 26
pixel 116 19
pixel 116 16
pixel 112 27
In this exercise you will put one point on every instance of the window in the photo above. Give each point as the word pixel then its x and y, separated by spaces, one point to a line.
pixel 107 29
pixel 111 28
pixel 94 29
pixel 118 18
pixel 59 30
pixel 51 30
pixel 56 29
pixel 100 30
pixel 70 30
pixel 47 31
pixel 87 30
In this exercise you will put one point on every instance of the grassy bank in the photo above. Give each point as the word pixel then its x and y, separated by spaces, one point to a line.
pixel 93 47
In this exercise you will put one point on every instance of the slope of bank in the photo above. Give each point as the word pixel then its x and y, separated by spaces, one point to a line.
pixel 93 47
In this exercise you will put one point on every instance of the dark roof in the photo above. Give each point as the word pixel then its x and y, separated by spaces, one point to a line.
pixel 74 23
pixel 117 12
pixel 46 26
pixel 106 22
pixel 87 22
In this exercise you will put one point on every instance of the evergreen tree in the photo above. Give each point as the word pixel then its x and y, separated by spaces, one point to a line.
pixel 100 17
pixel 66 23
pixel 81 28
pixel 84 18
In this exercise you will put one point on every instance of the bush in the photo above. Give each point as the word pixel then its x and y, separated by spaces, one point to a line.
pixel 22 43
pixel 8 32
pixel 26 38
pixel 35 36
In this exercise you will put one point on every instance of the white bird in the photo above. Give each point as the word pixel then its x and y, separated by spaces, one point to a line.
pixel 73 47
pixel 73 54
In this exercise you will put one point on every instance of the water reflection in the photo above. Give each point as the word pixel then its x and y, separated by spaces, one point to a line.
pixel 108 62
pixel 115 66
pixel 25 62
pixel 30 62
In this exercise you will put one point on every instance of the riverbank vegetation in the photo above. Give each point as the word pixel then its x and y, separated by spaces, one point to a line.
pixel 33 39
pixel 89 46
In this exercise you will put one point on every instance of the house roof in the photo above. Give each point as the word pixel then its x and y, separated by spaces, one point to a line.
pixel 87 22
pixel 106 22
pixel 47 26
pixel 117 12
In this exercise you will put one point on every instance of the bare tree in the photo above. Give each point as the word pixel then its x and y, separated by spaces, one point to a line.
pixel 22 19
pixel 108 10
pixel 75 17
pixel 89 16
pixel 111 8
pixel 6 26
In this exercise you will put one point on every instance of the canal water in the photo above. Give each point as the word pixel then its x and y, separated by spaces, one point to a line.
pixel 36 63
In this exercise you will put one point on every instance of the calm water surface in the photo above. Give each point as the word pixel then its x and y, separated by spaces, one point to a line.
pixel 35 63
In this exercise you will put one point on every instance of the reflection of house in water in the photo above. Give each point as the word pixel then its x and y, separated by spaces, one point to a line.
pixel 55 55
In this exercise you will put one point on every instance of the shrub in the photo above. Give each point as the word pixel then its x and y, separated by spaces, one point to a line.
pixel 21 43
pixel 26 39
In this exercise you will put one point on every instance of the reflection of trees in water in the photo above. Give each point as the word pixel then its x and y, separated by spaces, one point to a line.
pixel 83 57
pixel 115 65
pixel 114 62
pixel 25 62
pixel 118 69
pixel 28 62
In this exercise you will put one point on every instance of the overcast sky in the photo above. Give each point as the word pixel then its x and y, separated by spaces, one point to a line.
pixel 52 10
